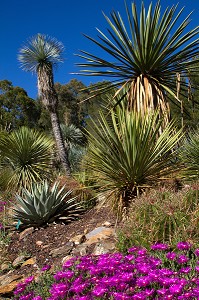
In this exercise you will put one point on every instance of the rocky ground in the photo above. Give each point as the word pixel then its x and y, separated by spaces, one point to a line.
pixel 31 249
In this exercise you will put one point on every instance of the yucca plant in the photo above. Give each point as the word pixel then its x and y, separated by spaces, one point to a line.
pixel 74 142
pixel 189 154
pixel 42 204
pixel 126 155
pixel 145 54
pixel 26 156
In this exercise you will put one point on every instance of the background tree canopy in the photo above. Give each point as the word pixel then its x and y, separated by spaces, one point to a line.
pixel 16 108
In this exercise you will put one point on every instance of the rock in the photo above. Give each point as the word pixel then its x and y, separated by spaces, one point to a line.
pixel 45 246
pixel 78 239
pixel 66 249
pixel 30 261
pixel 99 233
pixel 5 266
pixel 39 243
pixel 106 224
pixel 85 230
pixel 104 247
pixel 9 278
pixel 19 260
pixel 8 288
pixel 80 250
pixel 26 232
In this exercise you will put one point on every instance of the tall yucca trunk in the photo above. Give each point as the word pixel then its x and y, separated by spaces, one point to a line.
pixel 59 142
pixel 50 100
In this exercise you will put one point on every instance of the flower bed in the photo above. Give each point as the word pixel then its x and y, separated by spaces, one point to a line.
pixel 161 273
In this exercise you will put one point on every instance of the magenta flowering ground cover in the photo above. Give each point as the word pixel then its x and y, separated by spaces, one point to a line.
pixel 161 273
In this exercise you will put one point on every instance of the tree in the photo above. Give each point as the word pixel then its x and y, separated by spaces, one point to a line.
pixel 146 56
pixel 16 108
pixel 41 54
pixel 71 106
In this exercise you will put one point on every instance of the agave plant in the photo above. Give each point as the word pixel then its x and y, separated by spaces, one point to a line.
pixel 25 156
pixel 145 54
pixel 126 155
pixel 42 204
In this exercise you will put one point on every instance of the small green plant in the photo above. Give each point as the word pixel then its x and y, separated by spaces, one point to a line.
pixel 86 189
pixel 42 204
pixel 75 144
pixel 4 237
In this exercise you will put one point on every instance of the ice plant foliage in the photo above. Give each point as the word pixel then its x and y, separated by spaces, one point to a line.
pixel 161 273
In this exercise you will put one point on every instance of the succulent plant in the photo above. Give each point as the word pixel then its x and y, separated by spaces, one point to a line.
pixel 42 205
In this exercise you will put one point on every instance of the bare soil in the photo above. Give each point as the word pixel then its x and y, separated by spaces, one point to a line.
pixel 40 242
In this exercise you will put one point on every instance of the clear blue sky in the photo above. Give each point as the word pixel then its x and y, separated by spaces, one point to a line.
pixel 65 20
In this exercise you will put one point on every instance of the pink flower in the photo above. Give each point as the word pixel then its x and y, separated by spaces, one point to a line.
pixel 159 246
pixel 182 259
pixel 175 289
pixel 171 255
pixel 29 279
pixel 45 268
pixel 99 291
pixel 183 246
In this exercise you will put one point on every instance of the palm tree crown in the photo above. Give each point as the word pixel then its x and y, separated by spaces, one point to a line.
pixel 41 50
pixel 39 56
pixel 145 56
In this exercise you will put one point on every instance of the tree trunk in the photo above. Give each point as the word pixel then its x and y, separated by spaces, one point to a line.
pixel 59 141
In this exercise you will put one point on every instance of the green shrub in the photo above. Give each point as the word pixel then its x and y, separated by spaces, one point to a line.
pixel 42 204
pixel 165 217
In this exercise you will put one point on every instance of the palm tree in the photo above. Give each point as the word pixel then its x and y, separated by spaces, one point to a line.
pixel 145 56
pixel 39 56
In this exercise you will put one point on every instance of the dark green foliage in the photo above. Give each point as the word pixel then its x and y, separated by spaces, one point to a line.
pixel 16 108
pixel 71 107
